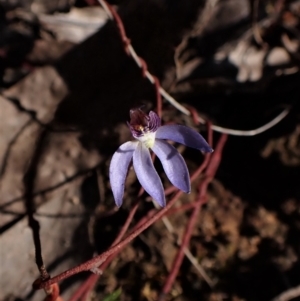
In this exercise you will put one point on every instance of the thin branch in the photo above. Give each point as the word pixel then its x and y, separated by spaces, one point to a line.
pixel 98 260
pixel 113 15
pixel 9 147
pixel 169 225
pixel 91 281
pixel 214 162
pixel 181 208
pixel 105 258
pixel 52 293
pixel 101 261
pixel 198 267
pixel 279 6
pixel 142 225
pixel 255 27
pixel 254 132
pixel 85 286
pixel 187 252
pixel 158 97
pixel 289 294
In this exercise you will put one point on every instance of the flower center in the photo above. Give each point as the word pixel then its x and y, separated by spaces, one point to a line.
pixel 148 139
pixel 143 127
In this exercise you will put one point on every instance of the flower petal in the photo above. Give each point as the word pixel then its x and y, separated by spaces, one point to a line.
pixel 154 121
pixel 184 135
pixel 118 169
pixel 141 123
pixel 147 175
pixel 173 164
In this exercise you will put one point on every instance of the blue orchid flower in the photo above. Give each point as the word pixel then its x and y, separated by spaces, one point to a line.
pixel 149 133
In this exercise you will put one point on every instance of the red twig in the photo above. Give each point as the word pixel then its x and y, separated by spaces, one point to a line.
pixel 53 293
pixel 127 223
pixel 98 260
pixel 194 115
pixel 91 2
pixel 201 199
pixel 120 26
pixel 279 6
pixel 145 222
pixel 142 63
pixel 158 96
pixel 143 66
pixel 92 279
pixel 181 208
pixel 85 286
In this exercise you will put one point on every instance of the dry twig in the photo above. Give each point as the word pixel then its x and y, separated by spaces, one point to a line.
pixel 214 161
pixel 113 15
pixel 289 294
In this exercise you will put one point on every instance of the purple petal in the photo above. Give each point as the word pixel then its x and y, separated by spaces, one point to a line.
pixel 147 175
pixel 118 169
pixel 173 164
pixel 141 122
pixel 184 135
pixel 154 122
